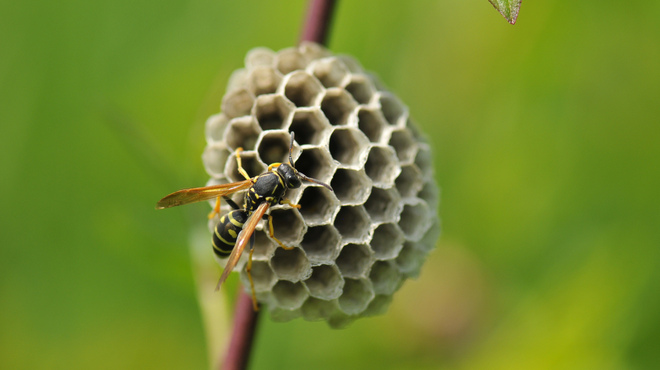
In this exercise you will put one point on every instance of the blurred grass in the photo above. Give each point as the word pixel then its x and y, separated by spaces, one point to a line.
pixel 546 138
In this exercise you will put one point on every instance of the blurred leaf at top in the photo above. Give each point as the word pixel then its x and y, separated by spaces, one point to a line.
pixel 508 8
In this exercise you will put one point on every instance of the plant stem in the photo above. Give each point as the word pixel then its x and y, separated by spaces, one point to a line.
pixel 315 29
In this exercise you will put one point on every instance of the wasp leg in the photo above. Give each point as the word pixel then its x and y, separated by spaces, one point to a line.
pixel 272 233
pixel 287 201
pixel 231 203
pixel 274 165
pixel 248 269
pixel 216 209
pixel 240 164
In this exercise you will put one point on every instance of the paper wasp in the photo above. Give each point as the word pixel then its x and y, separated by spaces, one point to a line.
pixel 263 191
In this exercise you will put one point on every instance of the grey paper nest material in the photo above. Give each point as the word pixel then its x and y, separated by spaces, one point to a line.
pixel 356 246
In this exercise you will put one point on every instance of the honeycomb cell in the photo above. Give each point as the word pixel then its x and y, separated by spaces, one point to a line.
pixel 378 305
pixel 302 89
pixel 242 132
pixel 273 146
pixel 385 277
pixel 312 51
pixel 263 247
pixel 383 205
pixel 263 80
pixel 290 265
pixel 349 147
pixel 410 259
pixel 429 194
pixel 382 167
pixel 353 224
pixel 404 144
pixel 415 220
pixel 395 113
pixel 351 187
pixel 262 276
pixel 278 314
pixel 355 260
pixel 387 241
pixel 309 125
pixel 288 225
pixel 417 134
pixel 409 182
pixel 318 205
pixel 360 88
pixel 316 163
pixel 325 283
pixel 315 309
pixel 428 241
pixel 340 320
pixel 237 103
pixel 237 80
pixel 289 295
pixel 321 243
pixel 250 162
pixel 289 60
pixel 356 296
pixel 337 105
pixel 215 158
pixel 215 127
pixel 272 111
pixel 424 161
pixel 372 122
pixel 259 57
pixel 351 63
pixel 330 71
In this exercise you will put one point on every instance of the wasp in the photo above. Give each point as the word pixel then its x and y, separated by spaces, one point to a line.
pixel 236 228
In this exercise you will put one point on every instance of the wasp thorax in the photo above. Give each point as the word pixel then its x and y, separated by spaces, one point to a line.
pixel 357 240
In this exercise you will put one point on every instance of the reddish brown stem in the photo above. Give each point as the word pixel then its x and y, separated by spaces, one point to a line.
pixel 315 29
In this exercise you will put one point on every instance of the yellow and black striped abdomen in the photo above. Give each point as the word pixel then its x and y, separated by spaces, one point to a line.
pixel 226 232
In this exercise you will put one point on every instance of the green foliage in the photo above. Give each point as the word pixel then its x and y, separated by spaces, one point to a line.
pixel 508 8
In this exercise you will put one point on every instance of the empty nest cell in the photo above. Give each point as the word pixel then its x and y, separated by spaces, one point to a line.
pixel 415 220
pixel 263 80
pixel 274 147
pixel 242 132
pixel 385 277
pixel 356 296
pixel 360 88
pixel 308 124
pixel 403 142
pixel 321 243
pixel 350 186
pixel 289 295
pixel 272 111
pixel 237 103
pixel 288 225
pixel 250 162
pixel 325 282
pixel 383 205
pixel 291 264
pixel 382 166
pixel 317 205
pixel 302 89
pixel 262 276
pixel 215 158
pixel 318 309
pixel 354 260
pixel 387 241
pixel 289 60
pixel 409 182
pixel 392 108
pixel 337 106
pixel 330 71
pixel 315 163
pixel 353 223
pixel 372 123
pixel 215 127
pixel 348 147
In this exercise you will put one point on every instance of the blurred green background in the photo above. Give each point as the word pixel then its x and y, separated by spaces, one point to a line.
pixel 546 138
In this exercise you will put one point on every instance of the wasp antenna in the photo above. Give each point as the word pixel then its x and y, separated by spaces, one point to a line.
pixel 306 178
pixel 293 134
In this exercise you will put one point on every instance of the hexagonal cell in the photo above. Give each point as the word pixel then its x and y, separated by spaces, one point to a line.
pixel 237 80
pixel 263 80
pixel 383 205
pixel 372 122
pixel 415 220
pixel 273 146
pixel 242 132
pixel 424 160
pixel 215 127
pixel 351 63
pixel 309 125
pixel 317 309
pixel 360 88
pixel 263 246
pixel 330 71
pixel 317 205
pixel 356 296
pixel 385 277
pixel 387 241
pixel 289 60
pixel 409 182
pixel 312 50
pixel 430 194
pixel 429 240
pixel 353 224
pixel 410 259
pixel 291 264
pixel 395 113
pixel 215 158
pixel 262 276
pixel 350 186
pixel 272 111
pixel 382 166
pixel 376 81
pixel 337 105
pixel 325 283
pixel 416 132
pixel 315 163
pixel 259 56
pixel 237 103
pixel 378 305
pixel 289 295
pixel 278 314
pixel 404 143
pixel 321 243
pixel 349 147
pixel 340 320
pixel 288 225
pixel 355 260
pixel 250 162
pixel 302 89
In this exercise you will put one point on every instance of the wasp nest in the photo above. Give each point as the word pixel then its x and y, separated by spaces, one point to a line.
pixel 355 246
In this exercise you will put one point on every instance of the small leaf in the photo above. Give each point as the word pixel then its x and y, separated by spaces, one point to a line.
pixel 508 8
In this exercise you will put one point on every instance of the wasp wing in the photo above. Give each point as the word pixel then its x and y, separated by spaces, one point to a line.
pixel 241 242
pixel 192 195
